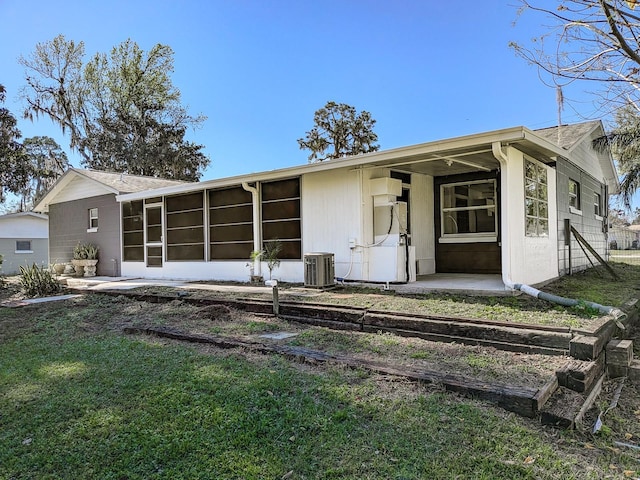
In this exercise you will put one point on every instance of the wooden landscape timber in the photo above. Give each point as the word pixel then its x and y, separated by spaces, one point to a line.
pixel 525 401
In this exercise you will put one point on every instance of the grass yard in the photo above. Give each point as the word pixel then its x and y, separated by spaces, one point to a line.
pixel 78 399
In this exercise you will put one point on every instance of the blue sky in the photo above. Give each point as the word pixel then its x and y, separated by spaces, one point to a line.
pixel 258 70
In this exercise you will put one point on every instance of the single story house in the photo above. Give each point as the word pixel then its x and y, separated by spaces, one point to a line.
pixel 490 203
pixel 23 241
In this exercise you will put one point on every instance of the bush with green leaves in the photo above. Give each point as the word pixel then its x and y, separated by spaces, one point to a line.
pixel 37 281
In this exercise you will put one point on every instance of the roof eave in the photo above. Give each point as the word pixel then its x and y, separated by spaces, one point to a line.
pixel 383 158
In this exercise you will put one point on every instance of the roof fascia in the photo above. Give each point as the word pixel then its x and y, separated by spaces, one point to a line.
pixel 384 158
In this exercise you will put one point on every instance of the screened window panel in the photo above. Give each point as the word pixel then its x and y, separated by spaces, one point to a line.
pixel 231 251
pixel 291 250
pixel 154 217
pixel 179 236
pixel 132 231
pixel 231 224
pixel 283 230
pixel 239 214
pixel 282 209
pixel 189 201
pixel 185 219
pixel 154 233
pixel 133 254
pixel 185 252
pixel 131 209
pixel 229 196
pixel 280 190
pixel 133 238
pixel 281 216
pixel 230 233
pixel 132 224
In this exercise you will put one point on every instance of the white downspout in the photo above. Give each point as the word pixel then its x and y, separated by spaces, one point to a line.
pixel 505 250
pixel 256 226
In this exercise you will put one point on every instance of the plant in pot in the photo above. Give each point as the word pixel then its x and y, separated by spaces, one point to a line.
pixel 79 257
pixel 254 257
pixel 91 261
pixel 271 253
pixel 58 267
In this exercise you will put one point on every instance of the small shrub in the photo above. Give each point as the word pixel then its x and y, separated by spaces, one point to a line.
pixel 37 281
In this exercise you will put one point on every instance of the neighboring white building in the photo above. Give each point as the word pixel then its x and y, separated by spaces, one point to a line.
pixel 491 203
pixel 23 240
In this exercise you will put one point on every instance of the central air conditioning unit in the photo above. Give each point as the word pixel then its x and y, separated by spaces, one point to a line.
pixel 319 270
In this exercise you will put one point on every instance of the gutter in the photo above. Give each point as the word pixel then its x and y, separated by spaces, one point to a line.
pixel 496 149
pixel 255 201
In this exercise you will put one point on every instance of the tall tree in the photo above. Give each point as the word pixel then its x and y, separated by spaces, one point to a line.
pixel 47 162
pixel 339 131
pixel 14 168
pixel 593 40
pixel 624 141
pixel 121 110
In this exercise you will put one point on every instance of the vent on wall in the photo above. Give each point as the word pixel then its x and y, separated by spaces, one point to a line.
pixel 318 270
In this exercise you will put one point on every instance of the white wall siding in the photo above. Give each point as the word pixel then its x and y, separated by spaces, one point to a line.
pixel 288 271
pixel 24 227
pixel 531 260
pixel 331 217
pixel 422 223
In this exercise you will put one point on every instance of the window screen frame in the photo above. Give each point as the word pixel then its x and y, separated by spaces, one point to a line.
pixel 468 237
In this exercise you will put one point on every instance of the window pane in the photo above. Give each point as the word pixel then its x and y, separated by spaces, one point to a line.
pixel 542 192
pixel 530 170
pixel 531 205
pixel 23 245
pixel 532 226
pixel 543 210
pixel 543 227
pixel 542 174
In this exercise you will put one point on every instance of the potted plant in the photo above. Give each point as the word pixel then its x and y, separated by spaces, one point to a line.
pixel 58 267
pixel 79 257
pixel 255 256
pixel 271 253
pixel 85 259
pixel 91 253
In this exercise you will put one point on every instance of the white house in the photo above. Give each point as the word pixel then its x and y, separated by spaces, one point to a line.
pixel 490 203
pixel 23 241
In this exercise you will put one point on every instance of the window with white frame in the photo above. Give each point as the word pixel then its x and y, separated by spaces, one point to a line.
pixel 536 196
pixel 574 195
pixel 93 219
pixel 468 211
pixel 23 246
pixel 597 205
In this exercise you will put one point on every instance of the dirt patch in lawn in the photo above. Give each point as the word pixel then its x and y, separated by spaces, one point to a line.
pixel 483 363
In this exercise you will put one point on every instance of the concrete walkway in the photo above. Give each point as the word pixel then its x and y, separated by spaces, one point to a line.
pixel 462 284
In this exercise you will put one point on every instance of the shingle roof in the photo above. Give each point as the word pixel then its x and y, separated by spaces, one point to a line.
pixel 125 183
pixel 568 134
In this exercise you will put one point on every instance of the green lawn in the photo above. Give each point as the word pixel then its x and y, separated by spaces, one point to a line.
pixel 78 400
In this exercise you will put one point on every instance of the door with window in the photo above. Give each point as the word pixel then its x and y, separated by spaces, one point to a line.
pixel 153 229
